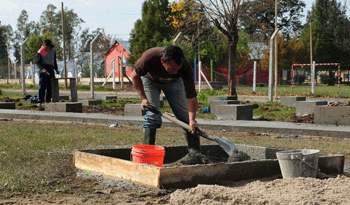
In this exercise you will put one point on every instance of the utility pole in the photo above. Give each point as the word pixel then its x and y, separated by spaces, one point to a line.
pixel 92 72
pixel 15 68
pixel 276 51
pixel 8 59
pixel 311 61
pixel 22 65
pixel 64 49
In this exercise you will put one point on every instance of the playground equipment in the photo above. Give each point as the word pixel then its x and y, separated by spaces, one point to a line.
pixel 338 64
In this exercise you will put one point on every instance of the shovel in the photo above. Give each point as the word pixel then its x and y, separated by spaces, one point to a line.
pixel 228 146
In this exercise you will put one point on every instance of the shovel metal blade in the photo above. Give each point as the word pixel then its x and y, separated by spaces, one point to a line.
pixel 228 146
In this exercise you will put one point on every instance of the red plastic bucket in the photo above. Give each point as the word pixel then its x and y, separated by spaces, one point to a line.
pixel 149 154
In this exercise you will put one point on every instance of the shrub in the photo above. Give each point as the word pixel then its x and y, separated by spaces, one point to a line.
pixel 299 79
pixel 324 78
pixel 0 92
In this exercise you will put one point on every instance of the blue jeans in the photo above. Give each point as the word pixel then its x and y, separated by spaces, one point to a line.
pixel 174 93
pixel 45 86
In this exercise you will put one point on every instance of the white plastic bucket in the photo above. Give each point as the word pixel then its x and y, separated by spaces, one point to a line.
pixel 298 163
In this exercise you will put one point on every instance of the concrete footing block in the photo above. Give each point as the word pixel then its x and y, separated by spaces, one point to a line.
pixel 231 97
pixel 7 105
pixel 332 115
pixel 64 107
pixel 307 107
pixel 133 110
pixel 90 102
pixel 291 100
pixel 110 97
pixel 63 97
pixel 215 103
pixel 234 112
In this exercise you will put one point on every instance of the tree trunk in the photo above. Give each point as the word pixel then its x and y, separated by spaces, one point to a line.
pixel 232 67
pixel 259 72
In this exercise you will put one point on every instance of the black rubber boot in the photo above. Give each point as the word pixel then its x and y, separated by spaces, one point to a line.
pixel 149 136
pixel 193 143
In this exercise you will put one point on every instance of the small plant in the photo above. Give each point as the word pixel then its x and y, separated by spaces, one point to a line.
pixel 102 88
pixel 83 87
pixel 0 92
pixel 30 86
pixel 203 95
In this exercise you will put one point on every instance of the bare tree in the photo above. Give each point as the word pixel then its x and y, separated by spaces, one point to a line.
pixel 225 15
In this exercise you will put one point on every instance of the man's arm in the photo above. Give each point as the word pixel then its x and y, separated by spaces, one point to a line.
pixel 55 64
pixel 138 85
pixel 38 61
pixel 40 64
pixel 192 109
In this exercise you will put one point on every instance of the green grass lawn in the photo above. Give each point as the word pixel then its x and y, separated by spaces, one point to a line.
pixel 303 90
pixel 282 90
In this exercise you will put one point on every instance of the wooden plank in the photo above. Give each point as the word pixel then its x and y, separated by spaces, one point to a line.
pixel 119 168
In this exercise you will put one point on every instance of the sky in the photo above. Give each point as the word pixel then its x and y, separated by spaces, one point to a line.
pixel 117 17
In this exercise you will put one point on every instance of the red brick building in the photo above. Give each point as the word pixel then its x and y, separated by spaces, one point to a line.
pixel 116 57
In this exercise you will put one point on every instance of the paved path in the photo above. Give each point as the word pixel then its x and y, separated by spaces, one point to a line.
pixel 281 128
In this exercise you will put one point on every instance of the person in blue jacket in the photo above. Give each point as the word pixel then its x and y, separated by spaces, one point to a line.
pixel 47 63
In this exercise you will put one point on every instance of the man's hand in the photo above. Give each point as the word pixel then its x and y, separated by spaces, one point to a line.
pixel 144 102
pixel 193 125
pixel 44 71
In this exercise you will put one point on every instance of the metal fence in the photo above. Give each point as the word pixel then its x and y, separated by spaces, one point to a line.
pixel 327 56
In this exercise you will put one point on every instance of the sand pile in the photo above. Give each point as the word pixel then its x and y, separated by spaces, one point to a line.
pixel 280 191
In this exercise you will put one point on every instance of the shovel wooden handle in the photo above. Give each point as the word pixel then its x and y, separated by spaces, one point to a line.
pixel 173 119
pixel 186 126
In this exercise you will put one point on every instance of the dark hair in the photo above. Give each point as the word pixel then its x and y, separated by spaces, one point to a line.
pixel 47 42
pixel 173 53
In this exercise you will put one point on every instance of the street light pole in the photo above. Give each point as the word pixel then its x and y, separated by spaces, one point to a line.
pixel 64 49
pixel 276 51
pixel 92 73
